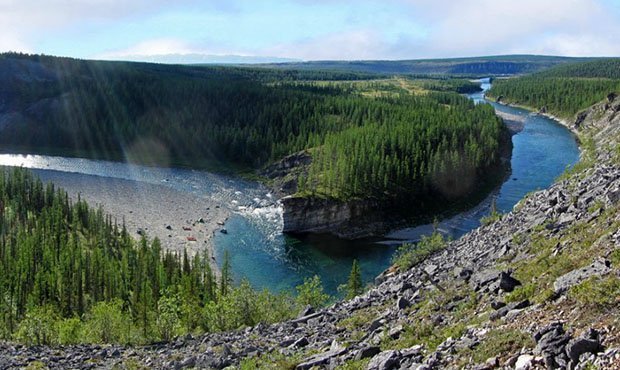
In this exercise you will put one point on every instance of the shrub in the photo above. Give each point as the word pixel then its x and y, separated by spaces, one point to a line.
pixel 168 319
pixel 70 331
pixel 600 292
pixel 409 255
pixel 107 323
pixel 311 293
pixel 38 326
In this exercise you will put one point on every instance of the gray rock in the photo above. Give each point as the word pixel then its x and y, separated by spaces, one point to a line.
pixel 402 303
pixel 301 342
pixel 570 279
pixel 507 283
pixel 589 342
pixel 385 360
pixel 367 352
pixel 551 343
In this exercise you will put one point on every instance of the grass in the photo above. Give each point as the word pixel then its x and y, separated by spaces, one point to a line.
pixel 494 216
pixel 269 361
pixel 588 157
pixel 409 255
pixel 354 365
pixel 597 292
pixel 424 333
pixel 498 342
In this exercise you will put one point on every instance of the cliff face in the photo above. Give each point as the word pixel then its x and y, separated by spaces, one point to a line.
pixel 538 288
pixel 353 219
pixel 366 217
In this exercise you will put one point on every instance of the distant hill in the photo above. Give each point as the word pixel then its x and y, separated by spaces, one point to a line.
pixel 600 68
pixel 563 90
pixel 505 65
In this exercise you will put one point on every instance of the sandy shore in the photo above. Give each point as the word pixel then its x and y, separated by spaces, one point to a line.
pixel 159 211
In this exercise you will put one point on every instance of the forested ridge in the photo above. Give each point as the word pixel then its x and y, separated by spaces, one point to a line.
pixel 436 143
pixel 472 67
pixel 563 90
pixel 71 274
pixel 246 118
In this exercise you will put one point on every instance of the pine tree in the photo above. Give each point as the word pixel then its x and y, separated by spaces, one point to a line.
pixel 354 286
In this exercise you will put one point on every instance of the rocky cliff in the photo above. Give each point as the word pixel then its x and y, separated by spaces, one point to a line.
pixel 538 288
pixel 350 220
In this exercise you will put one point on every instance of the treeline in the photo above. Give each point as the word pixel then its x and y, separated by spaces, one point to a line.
pixel 229 117
pixel 436 144
pixel 460 86
pixel 564 90
pixel 70 274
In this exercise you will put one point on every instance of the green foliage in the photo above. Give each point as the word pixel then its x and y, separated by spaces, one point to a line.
pixel 409 148
pixel 354 365
pixel 244 306
pixel 268 361
pixel 602 68
pixel 425 333
pixel 107 323
pixel 354 285
pixel 460 86
pixel 168 315
pixel 311 293
pixel 493 216
pixel 70 331
pixel 409 255
pixel 563 90
pixel 499 342
pixel 57 253
pixel 598 292
pixel 38 326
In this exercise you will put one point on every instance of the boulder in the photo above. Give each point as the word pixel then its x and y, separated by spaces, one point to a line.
pixel 524 362
pixel 551 343
pixel 589 342
pixel 507 283
pixel 385 360
pixel 367 352
pixel 570 279
pixel 402 303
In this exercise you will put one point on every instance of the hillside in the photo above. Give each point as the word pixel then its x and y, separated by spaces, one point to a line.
pixel 538 287
pixel 242 120
pixel 563 90
pixel 505 65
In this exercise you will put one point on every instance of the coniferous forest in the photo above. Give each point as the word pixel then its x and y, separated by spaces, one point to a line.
pixel 71 274
pixel 563 90
pixel 402 143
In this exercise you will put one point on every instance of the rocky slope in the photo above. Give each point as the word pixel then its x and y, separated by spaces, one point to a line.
pixel 539 287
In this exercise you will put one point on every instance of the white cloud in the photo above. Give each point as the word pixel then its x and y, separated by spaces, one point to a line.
pixel 359 44
pixel 468 27
pixel 150 47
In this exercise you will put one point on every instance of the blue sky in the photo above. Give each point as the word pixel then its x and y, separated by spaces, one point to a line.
pixel 310 30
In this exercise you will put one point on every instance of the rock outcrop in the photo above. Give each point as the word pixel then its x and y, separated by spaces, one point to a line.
pixel 352 219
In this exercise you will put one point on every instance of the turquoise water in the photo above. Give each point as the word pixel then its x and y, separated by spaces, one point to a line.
pixel 268 259
pixel 542 151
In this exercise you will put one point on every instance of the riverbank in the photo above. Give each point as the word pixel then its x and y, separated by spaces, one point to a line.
pixel 537 111
pixel 179 219
pixel 536 288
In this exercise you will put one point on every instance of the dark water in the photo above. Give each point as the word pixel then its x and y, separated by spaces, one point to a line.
pixel 269 259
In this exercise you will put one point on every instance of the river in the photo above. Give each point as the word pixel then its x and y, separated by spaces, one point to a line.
pixel 269 259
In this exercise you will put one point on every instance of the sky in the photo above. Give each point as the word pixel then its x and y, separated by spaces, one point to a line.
pixel 310 29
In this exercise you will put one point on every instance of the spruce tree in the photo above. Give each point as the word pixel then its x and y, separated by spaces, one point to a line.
pixel 354 286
